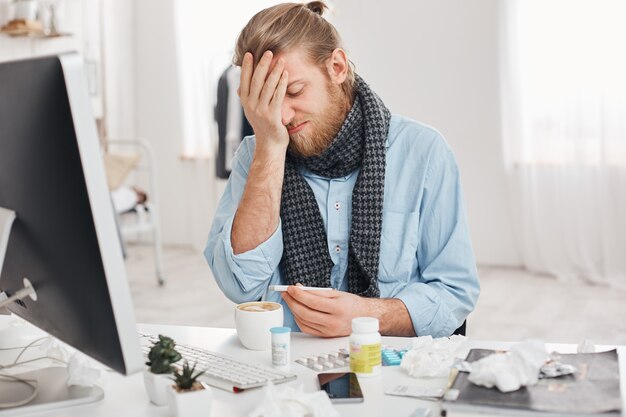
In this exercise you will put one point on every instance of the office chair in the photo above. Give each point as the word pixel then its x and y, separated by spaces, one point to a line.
pixel 461 330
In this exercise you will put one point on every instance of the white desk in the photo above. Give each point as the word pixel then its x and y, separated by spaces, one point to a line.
pixel 126 396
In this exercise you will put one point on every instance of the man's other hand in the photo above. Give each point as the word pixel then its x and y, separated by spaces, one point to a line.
pixel 326 313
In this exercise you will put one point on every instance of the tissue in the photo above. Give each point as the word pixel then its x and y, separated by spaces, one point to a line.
pixel 81 372
pixel 293 402
pixel 510 371
pixel 431 357
pixel 55 350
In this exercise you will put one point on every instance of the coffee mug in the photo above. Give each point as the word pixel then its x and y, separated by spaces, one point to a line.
pixel 254 320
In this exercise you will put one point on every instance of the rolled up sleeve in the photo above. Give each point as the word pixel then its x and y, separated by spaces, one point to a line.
pixel 447 287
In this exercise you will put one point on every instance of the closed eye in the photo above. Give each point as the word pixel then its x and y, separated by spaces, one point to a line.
pixel 295 94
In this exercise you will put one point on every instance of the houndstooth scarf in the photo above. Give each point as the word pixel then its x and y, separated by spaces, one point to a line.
pixel 359 143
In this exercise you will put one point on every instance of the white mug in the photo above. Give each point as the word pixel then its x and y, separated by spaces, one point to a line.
pixel 254 320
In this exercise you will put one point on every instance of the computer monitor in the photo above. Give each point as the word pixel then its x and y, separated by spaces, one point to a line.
pixel 64 238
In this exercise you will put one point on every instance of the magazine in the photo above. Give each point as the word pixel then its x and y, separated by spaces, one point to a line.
pixel 593 390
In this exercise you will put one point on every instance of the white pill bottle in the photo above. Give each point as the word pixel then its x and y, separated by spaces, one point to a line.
pixel 365 354
pixel 281 346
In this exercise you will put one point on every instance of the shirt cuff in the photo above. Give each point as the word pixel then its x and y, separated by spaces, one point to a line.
pixel 428 312
pixel 256 264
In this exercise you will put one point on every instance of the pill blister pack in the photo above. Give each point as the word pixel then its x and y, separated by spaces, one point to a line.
pixel 325 361
pixel 392 356
pixel 339 358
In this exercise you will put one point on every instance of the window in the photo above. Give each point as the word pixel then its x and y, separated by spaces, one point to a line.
pixel 564 90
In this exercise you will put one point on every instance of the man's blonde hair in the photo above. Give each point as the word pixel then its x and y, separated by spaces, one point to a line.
pixel 290 26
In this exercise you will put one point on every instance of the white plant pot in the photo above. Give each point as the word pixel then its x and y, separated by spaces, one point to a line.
pixel 157 386
pixel 190 403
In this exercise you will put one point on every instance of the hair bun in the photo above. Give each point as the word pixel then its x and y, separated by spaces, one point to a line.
pixel 317 7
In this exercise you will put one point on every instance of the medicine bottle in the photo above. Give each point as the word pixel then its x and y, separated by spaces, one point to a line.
pixel 281 345
pixel 365 355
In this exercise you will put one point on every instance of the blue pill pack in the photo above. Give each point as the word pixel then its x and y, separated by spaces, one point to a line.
pixel 392 356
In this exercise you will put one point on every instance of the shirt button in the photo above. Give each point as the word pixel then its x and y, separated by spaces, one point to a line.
pixel 337 249
pixel 337 205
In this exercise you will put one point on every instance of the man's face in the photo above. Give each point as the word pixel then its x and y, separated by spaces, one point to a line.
pixel 314 107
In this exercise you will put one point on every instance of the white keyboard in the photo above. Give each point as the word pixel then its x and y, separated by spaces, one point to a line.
pixel 222 371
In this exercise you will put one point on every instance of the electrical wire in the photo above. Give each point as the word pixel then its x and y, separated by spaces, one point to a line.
pixel 27 347
pixel 33 383
pixel 19 347
pixel 30 382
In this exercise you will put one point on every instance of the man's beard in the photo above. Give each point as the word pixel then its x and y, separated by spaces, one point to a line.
pixel 324 128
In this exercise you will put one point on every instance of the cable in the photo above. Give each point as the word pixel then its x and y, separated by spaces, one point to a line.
pixel 19 347
pixel 33 383
pixel 30 382
pixel 28 346
pixel 2 367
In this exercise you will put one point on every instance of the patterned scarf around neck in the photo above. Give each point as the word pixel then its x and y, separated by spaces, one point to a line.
pixel 359 143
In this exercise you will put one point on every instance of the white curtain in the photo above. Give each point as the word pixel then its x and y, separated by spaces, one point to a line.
pixel 564 127
pixel 201 52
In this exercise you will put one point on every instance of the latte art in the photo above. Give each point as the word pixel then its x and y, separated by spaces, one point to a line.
pixel 253 321
pixel 259 306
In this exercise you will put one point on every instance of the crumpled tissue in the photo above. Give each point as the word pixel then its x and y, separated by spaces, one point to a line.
pixel 292 402
pixel 431 357
pixel 586 346
pixel 82 372
pixel 56 350
pixel 510 371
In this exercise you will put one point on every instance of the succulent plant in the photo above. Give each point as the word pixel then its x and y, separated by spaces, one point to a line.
pixel 187 377
pixel 163 355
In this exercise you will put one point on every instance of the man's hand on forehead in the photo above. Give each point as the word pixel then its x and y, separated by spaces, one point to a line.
pixel 262 92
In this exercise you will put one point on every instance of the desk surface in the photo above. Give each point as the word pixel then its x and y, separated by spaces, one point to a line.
pixel 126 396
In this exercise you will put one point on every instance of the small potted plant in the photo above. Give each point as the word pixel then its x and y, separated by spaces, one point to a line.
pixel 162 356
pixel 189 397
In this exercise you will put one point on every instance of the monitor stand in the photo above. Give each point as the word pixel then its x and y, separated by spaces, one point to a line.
pixel 52 392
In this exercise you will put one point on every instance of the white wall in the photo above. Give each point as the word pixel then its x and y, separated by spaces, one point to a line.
pixel 119 65
pixel 158 117
pixel 437 61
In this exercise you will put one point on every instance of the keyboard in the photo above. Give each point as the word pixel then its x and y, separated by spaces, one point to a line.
pixel 222 371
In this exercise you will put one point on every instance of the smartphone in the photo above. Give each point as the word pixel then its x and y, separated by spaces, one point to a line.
pixel 341 387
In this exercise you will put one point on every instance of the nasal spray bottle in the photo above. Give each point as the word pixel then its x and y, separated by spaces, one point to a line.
pixel 365 354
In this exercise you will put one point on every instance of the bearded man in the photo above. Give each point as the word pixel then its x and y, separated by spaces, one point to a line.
pixel 335 191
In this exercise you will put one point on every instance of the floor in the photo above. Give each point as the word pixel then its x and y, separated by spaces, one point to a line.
pixel 514 304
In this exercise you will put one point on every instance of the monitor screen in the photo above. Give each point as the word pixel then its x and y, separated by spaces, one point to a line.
pixel 64 239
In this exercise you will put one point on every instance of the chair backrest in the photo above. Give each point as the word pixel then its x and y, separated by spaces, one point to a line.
pixel 144 173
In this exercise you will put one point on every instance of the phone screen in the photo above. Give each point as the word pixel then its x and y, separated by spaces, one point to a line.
pixel 341 387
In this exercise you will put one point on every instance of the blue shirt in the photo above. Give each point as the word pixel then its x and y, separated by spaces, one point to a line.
pixel 426 257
